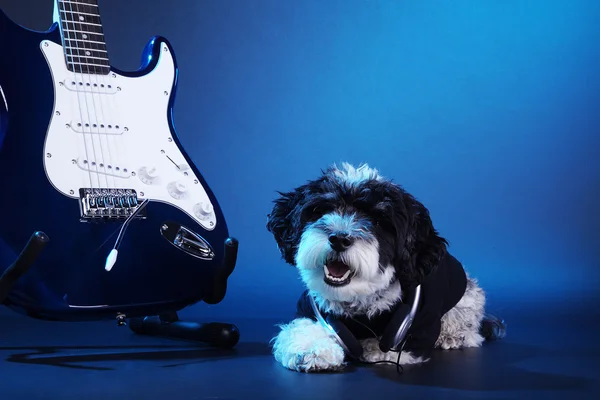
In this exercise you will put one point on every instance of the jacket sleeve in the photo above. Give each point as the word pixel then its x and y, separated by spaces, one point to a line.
pixel 303 308
pixel 440 292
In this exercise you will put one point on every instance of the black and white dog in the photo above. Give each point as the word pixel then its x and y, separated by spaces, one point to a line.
pixel 361 243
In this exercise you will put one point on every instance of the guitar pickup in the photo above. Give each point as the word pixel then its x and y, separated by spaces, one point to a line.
pixel 97 128
pixel 103 169
pixel 77 85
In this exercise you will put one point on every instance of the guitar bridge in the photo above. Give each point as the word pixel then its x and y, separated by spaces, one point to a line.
pixel 109 204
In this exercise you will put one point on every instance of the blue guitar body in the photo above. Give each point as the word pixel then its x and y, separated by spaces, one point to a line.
pixel 179 254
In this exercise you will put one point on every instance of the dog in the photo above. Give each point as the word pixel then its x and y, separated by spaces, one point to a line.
pixel 361 243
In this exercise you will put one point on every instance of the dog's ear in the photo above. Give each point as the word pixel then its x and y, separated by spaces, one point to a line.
pixel 283 222
pixel 423 247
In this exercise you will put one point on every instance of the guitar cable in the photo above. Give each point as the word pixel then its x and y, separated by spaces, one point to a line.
pixel 112 256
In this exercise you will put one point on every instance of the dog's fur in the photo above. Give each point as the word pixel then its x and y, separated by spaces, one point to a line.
pixel 395 247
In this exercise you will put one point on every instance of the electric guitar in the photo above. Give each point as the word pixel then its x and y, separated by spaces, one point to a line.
pixel 90 157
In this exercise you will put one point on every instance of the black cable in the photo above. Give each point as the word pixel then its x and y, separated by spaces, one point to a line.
pixel 399 367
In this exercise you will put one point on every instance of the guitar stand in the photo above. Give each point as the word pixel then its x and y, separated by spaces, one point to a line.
pixel 214 333
pixel 166 325
pixel 24 261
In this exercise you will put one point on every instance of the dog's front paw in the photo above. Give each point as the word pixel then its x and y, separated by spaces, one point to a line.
pixel 372 354
pixel 317 360
pixel 304 345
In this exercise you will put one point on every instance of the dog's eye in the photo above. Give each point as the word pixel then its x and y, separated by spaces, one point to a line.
pixel 321 209
pixel 362 205
pixel 384 205
pixel 311 213
pixel 386 225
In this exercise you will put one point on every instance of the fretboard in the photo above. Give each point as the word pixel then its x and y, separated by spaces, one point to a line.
pixel 83 38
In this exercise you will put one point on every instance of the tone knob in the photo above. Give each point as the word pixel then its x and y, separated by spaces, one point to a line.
pixel 147 174
pixel 177 189
pixel 203 210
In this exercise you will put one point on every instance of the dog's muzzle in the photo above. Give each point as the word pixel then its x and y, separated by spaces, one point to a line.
pixel 337 273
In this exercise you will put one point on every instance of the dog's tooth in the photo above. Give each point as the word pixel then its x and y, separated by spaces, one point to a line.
pixel 346 275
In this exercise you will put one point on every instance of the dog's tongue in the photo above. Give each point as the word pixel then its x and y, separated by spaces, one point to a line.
pixel 337 268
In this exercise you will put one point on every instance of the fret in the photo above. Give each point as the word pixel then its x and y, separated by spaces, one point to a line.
pixel 78 8
pixel 91 64
pixel 86 2
pixel 80 18
pixel 80 13
pixel 77 36
pixel 88 68
pixel 84 43
pixel 77 26
pixel 94 60
pixel 86 23
pixel 86 52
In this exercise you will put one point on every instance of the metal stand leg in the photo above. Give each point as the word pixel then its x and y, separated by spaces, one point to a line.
pixel 214 333
pixel 28 255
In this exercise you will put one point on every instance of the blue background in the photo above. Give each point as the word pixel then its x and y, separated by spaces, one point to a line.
pixel 487 111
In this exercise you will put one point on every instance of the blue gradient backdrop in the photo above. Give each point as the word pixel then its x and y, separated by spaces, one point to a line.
pixel 487 111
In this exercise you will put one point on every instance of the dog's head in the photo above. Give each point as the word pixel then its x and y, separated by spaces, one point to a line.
pixel 351 233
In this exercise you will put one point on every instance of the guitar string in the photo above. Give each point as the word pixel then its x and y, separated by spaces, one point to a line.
pixel 100 163
pixel 100 86
pixel 108 102
pixel 121 171
pixel 70 28
pixel 91 163
pixel 107 111
pixel 99 83
pixel 66 30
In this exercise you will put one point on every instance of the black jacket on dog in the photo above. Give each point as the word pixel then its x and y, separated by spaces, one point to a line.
pixel 440 291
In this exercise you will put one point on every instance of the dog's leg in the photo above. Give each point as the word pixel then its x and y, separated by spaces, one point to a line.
pixel 460 325
pixel 372 353
pixel 305 345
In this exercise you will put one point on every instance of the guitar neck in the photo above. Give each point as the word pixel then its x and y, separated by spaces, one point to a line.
pixel 83 37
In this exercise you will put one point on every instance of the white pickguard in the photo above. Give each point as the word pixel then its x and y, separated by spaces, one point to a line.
pixel 127 142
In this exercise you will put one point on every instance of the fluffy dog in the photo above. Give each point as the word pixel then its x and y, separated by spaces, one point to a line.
pixel 360 243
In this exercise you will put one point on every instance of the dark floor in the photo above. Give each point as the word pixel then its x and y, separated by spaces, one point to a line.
pixel 551 354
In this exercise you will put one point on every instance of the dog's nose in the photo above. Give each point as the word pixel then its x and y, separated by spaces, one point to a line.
pixel 340 241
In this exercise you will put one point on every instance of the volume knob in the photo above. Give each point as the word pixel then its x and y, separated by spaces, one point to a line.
pixel 203 210
pixel 177 189
pixel 147 174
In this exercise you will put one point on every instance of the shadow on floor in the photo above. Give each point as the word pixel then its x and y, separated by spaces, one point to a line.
pixel 173 356
pixel 494 369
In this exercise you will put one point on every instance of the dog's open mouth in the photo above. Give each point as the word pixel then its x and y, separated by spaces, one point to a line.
pixel 337 273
